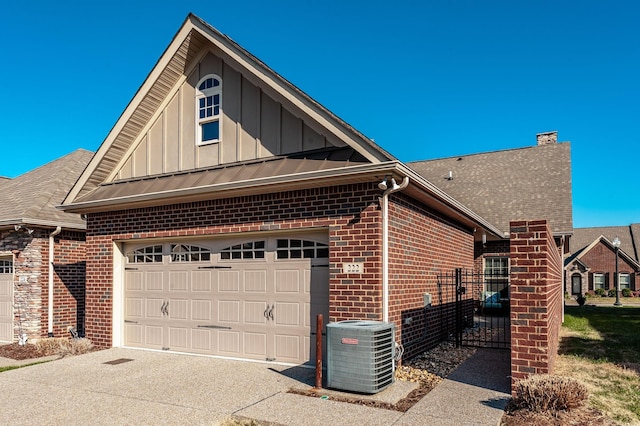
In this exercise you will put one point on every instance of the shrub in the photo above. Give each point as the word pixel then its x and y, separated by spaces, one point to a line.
pixel 600 292
pixel 611 292
pixel 590 293
pixel 548 393
pixel 636 293
pixel 626 292
pixel 64 346
pixel 581 299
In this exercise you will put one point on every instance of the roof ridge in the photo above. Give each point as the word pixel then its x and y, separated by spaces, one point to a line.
pixel 497 151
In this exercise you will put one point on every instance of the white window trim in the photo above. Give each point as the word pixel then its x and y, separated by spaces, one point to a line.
pixel 598 274
pixel 628 277
pixel 200 94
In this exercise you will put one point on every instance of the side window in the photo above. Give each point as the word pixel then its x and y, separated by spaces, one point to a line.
pixel 209 109
pixel 250 250
pixel 624 281
pixel 496 275
pixel 301 249
pixel 6 266
pixel 149 254
pixel 188 253
pixel 598 281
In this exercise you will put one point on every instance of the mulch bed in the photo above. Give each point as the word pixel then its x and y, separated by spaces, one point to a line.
pixel 20 352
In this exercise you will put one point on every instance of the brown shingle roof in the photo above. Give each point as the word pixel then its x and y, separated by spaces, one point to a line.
pixel 582 237
pixel 32 198
pixel 518 184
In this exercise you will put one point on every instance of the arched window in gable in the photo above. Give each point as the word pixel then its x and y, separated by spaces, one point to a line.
pixel 209 109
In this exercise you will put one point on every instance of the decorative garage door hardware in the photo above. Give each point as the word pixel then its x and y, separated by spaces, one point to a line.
pixel 214 267
pixel 165 308
pixel 130 322
pixel 222 327
pixel 268 313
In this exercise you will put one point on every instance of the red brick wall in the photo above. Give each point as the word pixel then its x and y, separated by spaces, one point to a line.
pixel 602 259
pixel 421 244
pixel 68 283
pixel 350 213
pixel 489 249
pixel 536 298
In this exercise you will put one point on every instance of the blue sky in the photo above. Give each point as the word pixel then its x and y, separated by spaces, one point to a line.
pixel 424 79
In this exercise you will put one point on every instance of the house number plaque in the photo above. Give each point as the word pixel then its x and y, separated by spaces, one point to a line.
pixel 352 268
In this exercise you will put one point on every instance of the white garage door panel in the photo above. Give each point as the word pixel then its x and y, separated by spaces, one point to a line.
pixel 201 310
pixel 259 305
pixel 154 281
pixel 178 281
pixel 153 336
pixel 229 281
pixel 201 281
pixel 229 312
pixel 179 338
pixel 229 342
pixel 287 314
pixel 255 344
pixel 201 340
pixel 254 313
pixel 134 334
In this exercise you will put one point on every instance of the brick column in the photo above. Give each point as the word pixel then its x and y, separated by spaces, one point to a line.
pixel 536 298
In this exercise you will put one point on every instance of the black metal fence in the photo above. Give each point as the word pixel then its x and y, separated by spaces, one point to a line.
pixel 475 308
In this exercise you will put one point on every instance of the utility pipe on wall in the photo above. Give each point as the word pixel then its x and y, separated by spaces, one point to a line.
pixel 51 271
pixel 390 187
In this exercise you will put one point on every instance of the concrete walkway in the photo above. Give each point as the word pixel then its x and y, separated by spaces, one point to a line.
pixel 125 386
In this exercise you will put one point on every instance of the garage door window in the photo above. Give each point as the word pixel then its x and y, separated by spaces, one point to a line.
pixel 299 249
pixel 149 254
pixel 6 267
pixel 188 253
pixel 250 250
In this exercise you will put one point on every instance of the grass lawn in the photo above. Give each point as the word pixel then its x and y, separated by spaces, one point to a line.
pixel 600 346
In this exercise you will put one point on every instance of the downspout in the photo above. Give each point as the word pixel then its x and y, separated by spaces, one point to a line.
pixel 384 204
pixel 51 271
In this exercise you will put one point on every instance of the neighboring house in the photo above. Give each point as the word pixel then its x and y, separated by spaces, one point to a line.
pixel 502 186
pixel 226 208
pixel 41 249
pixel 592 261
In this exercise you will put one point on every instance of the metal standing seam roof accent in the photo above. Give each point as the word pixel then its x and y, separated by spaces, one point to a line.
pixel 325 159
pixel 303 170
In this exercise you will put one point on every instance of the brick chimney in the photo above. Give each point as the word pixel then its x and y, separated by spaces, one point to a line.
pixel 547 138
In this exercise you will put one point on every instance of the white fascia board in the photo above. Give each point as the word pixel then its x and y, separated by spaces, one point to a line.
pixel 129 110
pixel 42 223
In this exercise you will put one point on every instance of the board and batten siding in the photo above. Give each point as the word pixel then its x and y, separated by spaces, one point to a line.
pixel 254 126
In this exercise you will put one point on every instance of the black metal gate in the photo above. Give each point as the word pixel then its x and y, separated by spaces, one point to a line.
pixel 475 309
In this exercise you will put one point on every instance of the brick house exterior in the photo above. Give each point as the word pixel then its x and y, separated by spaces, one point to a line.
pixel 30 225
pixel 510 185
pixel 281 171
pixel 591 263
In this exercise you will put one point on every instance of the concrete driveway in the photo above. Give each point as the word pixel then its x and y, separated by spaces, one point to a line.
pixel 133 387
pixel 125 386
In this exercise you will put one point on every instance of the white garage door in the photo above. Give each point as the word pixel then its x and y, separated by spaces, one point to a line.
pixel 6 300
pixel 254 298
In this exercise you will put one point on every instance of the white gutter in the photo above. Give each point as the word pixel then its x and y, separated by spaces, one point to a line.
pixel 51 271
pixel 391 187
